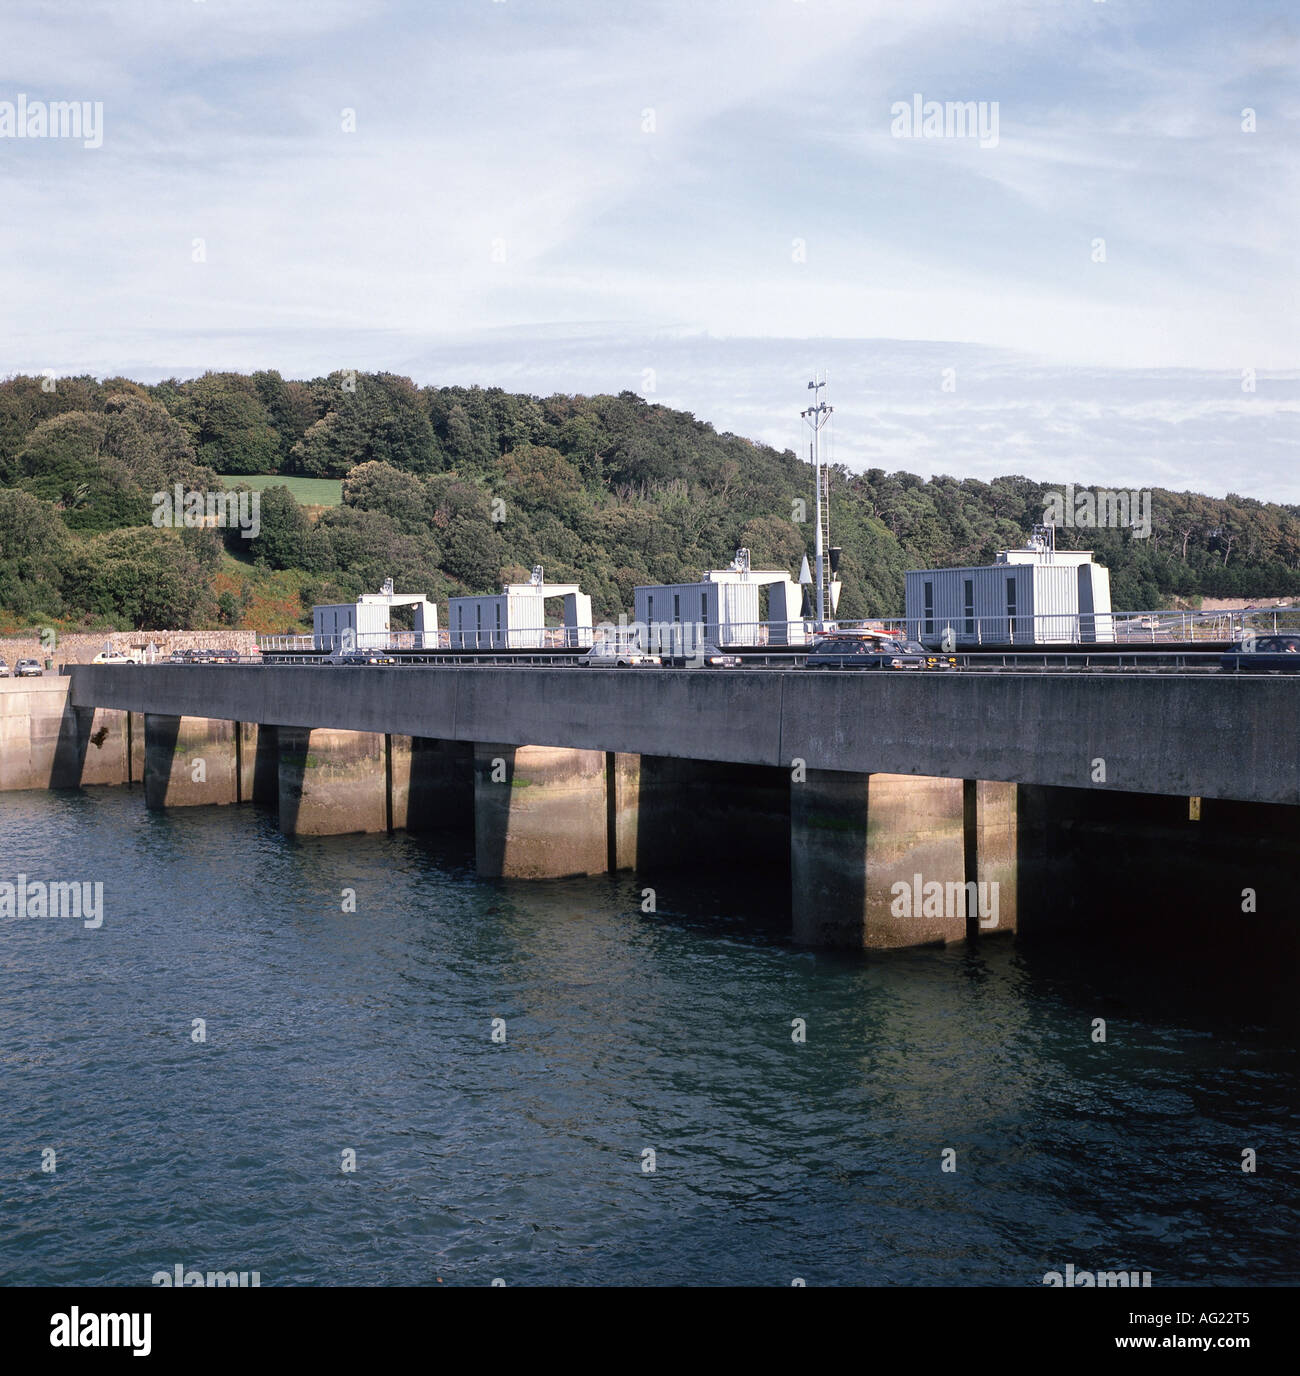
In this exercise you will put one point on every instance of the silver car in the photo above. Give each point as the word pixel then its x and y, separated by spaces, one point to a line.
pixel 618 654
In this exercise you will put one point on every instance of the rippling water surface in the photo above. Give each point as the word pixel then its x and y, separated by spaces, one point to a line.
pixel 371 1031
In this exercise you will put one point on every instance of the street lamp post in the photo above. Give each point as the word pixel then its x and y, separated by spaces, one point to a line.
pixel 816 416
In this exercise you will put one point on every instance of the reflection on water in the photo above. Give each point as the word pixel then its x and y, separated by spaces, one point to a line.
pixel 329 1030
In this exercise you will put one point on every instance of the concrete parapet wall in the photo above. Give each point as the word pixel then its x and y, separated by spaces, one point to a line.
pixel 1049 729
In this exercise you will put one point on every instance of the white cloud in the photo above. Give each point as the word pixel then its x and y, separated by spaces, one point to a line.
pixel 522 123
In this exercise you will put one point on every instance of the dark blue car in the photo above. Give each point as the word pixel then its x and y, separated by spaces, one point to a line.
pixel 874 652
pixel 1273 654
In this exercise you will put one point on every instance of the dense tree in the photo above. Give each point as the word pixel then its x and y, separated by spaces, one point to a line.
pixel 453 489
pixel 282 539
pixel 144 579
pixel 291 407
pixel 65 462
pixel 101 468
pixel 371 546
pixel 473 550
pixel 370 417
pixel 230 424
pixel 34 550
pixel 380 487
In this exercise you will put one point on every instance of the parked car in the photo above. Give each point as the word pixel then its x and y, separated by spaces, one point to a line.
pixel 105 657
pixel 360 657
pixel 706 655
pixel 4 668
pixel 223 656
pixel 618 654
pixel 28 668
pixel 1272 654
pixel 875 652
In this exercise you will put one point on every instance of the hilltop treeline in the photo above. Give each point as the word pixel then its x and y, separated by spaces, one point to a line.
pixel 453 489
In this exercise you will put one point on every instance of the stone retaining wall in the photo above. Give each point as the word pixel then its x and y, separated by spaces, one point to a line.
pixel 80 647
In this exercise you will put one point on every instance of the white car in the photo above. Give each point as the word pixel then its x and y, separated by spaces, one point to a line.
pixel 114 657
pixel 612 654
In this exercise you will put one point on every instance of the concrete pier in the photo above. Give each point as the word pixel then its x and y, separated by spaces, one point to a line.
pixel 623 775
pixel 854 838
pixel 332 783
pixel 542 812
pixel 990 821
pixel 135 749
pixel 189 761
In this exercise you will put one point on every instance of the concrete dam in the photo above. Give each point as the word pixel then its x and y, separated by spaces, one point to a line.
pixel 866 802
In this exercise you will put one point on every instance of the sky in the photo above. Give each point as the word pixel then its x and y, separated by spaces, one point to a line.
pixel 702 201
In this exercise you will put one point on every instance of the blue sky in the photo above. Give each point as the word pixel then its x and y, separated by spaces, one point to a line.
pixel 699 200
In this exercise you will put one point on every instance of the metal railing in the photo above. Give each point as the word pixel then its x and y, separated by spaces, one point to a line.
pixel 1091 661
pixel 968 661
pixel 1072 628
pixel 525 638
pixel 1114 627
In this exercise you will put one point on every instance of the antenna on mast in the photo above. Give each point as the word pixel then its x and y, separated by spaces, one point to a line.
pixel 817 416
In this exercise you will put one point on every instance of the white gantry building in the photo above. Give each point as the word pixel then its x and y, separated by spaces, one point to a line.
pixel 1033 596
pixel 515 618
pixel 725 607
pixel 367 623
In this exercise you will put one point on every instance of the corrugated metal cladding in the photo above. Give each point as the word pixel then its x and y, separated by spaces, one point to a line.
pixel 731 613
pixel 1056 602
pixel 1000 604
pixel 739 613
pixel 479 623
pixel 527 612
pixel 979 604
pixel 675 602
pixel 673 613
pixel 366 622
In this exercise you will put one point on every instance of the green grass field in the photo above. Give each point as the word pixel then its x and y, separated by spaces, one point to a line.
pixel 306 491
